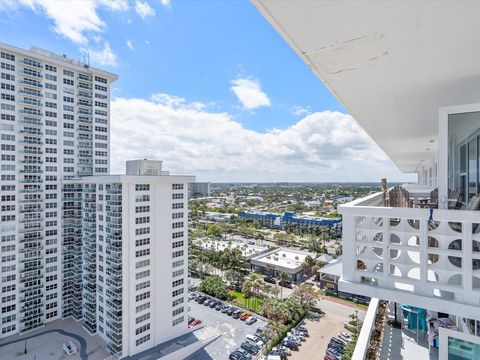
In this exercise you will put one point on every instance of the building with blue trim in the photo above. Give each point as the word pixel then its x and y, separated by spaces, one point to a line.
pixel 277 221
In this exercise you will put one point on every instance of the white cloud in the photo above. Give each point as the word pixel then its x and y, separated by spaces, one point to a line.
pixel 300 110
pixel 249 93
pixel 130 44
pixel 103 56
pixel 144 9
pixel 75 19
pixel 325 146
pixel 165 2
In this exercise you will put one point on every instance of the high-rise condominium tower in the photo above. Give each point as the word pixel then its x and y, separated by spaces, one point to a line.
pixel 75 241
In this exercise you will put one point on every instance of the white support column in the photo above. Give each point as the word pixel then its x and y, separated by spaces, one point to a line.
pixel 349 248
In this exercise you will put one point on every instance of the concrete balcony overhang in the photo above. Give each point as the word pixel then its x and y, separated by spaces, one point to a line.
pixel 392 64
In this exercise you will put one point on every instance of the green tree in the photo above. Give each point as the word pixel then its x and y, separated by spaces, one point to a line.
pixel 214 286
pixel 305 295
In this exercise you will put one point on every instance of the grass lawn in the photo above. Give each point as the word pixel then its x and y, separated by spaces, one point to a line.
pixel 245 303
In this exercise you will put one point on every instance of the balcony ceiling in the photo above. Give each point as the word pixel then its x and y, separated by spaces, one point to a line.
pixel 391 64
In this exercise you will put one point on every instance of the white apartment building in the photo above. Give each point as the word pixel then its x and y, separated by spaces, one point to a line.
pixel 110 250
pixel 54 125
pixel 405 71
pixel 135 259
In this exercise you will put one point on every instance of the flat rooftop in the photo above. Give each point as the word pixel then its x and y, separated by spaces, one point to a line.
pixel 47 343
pixel 286 258
pixel 247 250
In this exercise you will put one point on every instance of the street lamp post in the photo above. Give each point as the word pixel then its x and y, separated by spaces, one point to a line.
pixel 25 350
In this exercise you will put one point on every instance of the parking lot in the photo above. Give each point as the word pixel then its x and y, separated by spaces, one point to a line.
pixel 233 332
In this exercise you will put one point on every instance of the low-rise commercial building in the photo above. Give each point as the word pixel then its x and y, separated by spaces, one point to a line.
pixel 249 251
pixel 282 260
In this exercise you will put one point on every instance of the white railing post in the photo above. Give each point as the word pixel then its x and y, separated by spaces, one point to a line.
pixel 467 264
pixel 423 247
pixel 386 247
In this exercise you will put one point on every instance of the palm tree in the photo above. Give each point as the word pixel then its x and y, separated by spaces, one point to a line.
pixel 275 291
pixel 256 287
pixel 283 276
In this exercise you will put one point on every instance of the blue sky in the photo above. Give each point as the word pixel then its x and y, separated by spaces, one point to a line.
pixel 199 59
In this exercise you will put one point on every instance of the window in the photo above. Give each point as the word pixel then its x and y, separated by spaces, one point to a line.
pixel 177 234
pixel 142 209
pixel 177 186
pixel 142 307
pixel 177 244
pixel 177 311
pixel 177 283
pixel 177 206
pixel 143 263
pixel 142 187
pixel 143 296
pixel 142 285
pixel 140 253
pixel 178 302
pixel 142 242
pixel 142 274
pixel 142 340
pixel 177 321
pixel 142 318
pixel 142 231
pixel 177 292
pixel 177 215
pixel 177 254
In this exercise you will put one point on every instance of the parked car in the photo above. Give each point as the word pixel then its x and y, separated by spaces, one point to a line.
pixel 219 306
pixel 283 348
pixel 256 340
pixel 296 336
pixel 334 353
pixel 280 352
pixel 286 284
pixel 207 302
pixel 192 296
pixel 194 323
pixel 251 320
pixel 337 340
pixel 274 356
pixel 201 299
pixel 225 308
pixel 190 320
pixel 344 336
pixel 230 311
pixel 294 339
pixel 329 357
pixel 260 330
pixel 213 303
pixel 244 316
pixel 250 347
pixel 240 354
pixel 236 314
pixel 336 347
pixel 292 345
pixel 270 279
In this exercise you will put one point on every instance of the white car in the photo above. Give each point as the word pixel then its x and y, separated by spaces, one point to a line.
pixel 250 320
pixel 296 336
pixel 345 337
pixel 256 340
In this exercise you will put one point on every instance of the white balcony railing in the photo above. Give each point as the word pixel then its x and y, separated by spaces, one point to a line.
pixel 410 256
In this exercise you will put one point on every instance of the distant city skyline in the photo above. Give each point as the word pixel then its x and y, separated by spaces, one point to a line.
pixel 198 90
